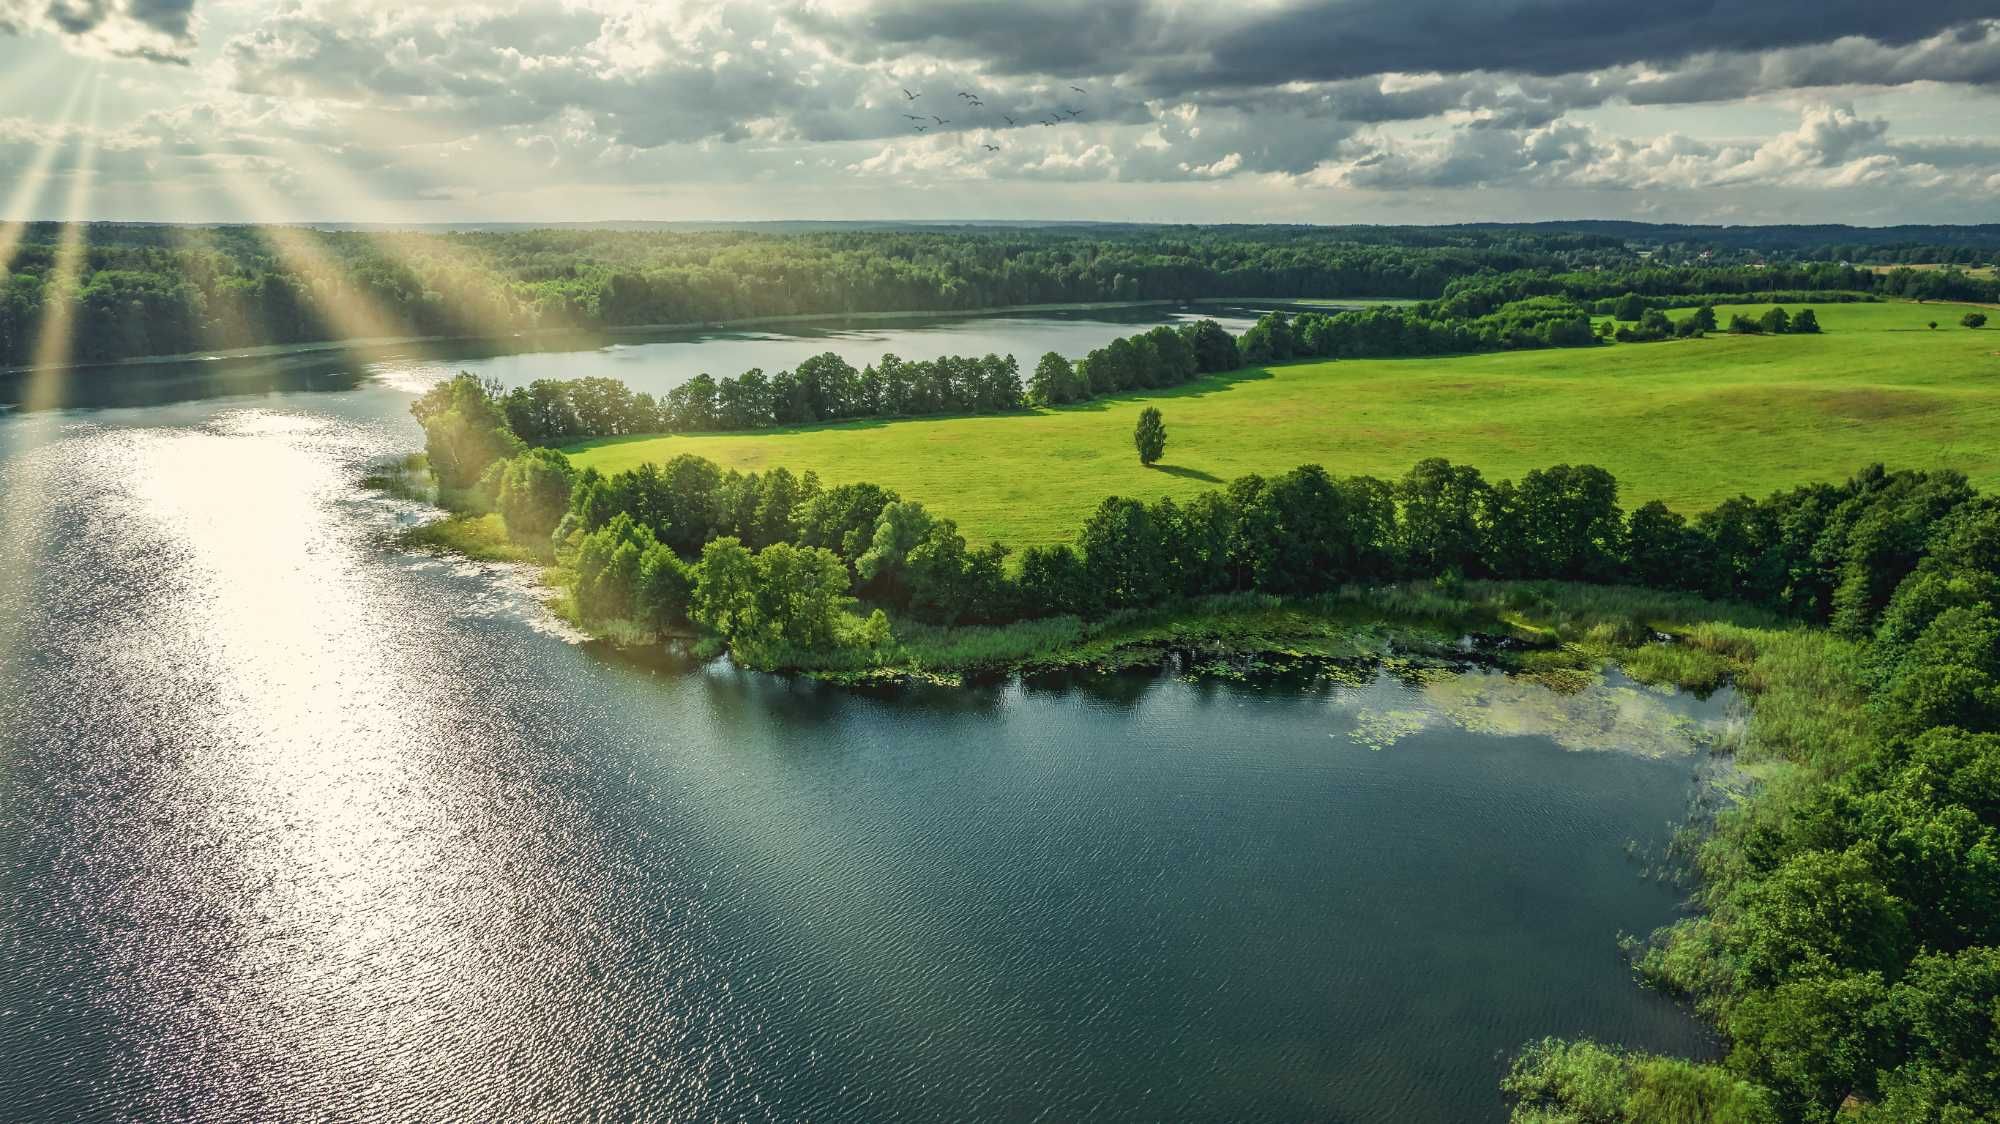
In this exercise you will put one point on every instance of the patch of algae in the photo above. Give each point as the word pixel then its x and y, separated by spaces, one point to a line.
pixel 1595 716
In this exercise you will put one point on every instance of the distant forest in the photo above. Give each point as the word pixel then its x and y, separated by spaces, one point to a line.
pixel 162 290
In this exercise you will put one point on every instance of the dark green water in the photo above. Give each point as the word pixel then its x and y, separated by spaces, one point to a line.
pixel 296 826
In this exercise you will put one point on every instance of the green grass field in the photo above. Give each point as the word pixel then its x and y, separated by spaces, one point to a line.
pixel 1687 421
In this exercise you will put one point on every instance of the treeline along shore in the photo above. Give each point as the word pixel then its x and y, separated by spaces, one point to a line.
pixel 170 290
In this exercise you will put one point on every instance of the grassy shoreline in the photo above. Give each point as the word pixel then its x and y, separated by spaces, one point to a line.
pixel 1556 632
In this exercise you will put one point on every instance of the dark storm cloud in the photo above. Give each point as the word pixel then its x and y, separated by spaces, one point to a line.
pixel 1333 39
pixel 1174 49
pixel 157 30
pixel 1030 37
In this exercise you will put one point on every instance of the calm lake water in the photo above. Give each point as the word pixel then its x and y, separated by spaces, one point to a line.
pixel 296 825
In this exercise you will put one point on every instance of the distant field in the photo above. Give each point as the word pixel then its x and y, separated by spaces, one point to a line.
pixel 1968 270
pixel 1690 422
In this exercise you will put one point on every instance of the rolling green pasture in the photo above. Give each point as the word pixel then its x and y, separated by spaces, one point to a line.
pixel 1687 421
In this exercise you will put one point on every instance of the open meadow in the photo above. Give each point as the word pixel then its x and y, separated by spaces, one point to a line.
pixel 1687 421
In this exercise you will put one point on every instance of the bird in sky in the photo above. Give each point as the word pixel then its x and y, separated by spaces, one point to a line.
pixel 921 128
pixel 914 116
pixel 1079 89
pixel 990 147
pixel 1074 112
pixel 908 96
pixel 939 120
pixel 1009 120
pixel 963 94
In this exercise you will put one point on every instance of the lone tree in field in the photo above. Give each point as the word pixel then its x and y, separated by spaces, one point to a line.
pixel 1973 320
pixel 1151 436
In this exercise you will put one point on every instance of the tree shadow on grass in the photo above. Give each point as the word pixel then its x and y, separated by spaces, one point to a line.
pixel 1206 384
pixel 1186 472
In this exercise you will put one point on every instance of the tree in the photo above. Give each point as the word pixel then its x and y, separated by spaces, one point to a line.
pixel 1151 435
pixel 534 493
pixel 1054 382
pixel 1122 556
pixel 724 598
pixel 1053 581
pixel 1630 307
pixel 799 592
pixel 661 598
pixel 465 431
pixel 1704 317
pixel 843 519
pixel 690 502
pixel 1268 340
pixel 1933 325
pixel 1440 525
pixel 607 568
pixel 1776 322
pixel 1560 522
pixel 1973 320
pixel 1661 551
pixel 902 527
pixel 1806 322
pixel 1214 348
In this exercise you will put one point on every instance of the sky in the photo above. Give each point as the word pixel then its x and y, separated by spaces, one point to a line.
pixel 1332 111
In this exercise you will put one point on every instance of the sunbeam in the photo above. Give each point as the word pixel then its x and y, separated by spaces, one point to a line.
pixel 483 314
pixel 56 337
pixel 358 321
pixel 28 192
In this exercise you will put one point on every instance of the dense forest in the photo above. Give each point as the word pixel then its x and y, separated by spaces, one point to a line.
pixel 1849 940
pixel 164 290
pixel 1970 245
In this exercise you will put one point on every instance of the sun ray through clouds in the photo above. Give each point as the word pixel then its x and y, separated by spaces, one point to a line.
pixel 475 307
pixel 27 193
pixel 55 339
pixel 359 321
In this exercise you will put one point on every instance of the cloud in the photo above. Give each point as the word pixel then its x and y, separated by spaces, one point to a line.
pixel 1832 149
pixel 446 100
pixel 1333 39
pixel 156 30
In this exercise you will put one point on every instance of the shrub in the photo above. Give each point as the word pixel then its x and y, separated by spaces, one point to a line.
pixel 1151 435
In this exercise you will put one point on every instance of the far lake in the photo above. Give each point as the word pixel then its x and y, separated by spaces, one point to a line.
pixel 292 818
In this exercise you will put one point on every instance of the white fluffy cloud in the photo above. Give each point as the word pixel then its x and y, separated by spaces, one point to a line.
pixel 1832 148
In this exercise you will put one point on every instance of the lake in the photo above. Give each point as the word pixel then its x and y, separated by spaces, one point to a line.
pixel 296 824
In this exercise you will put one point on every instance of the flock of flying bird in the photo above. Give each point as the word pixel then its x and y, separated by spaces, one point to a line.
pixel 971 100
